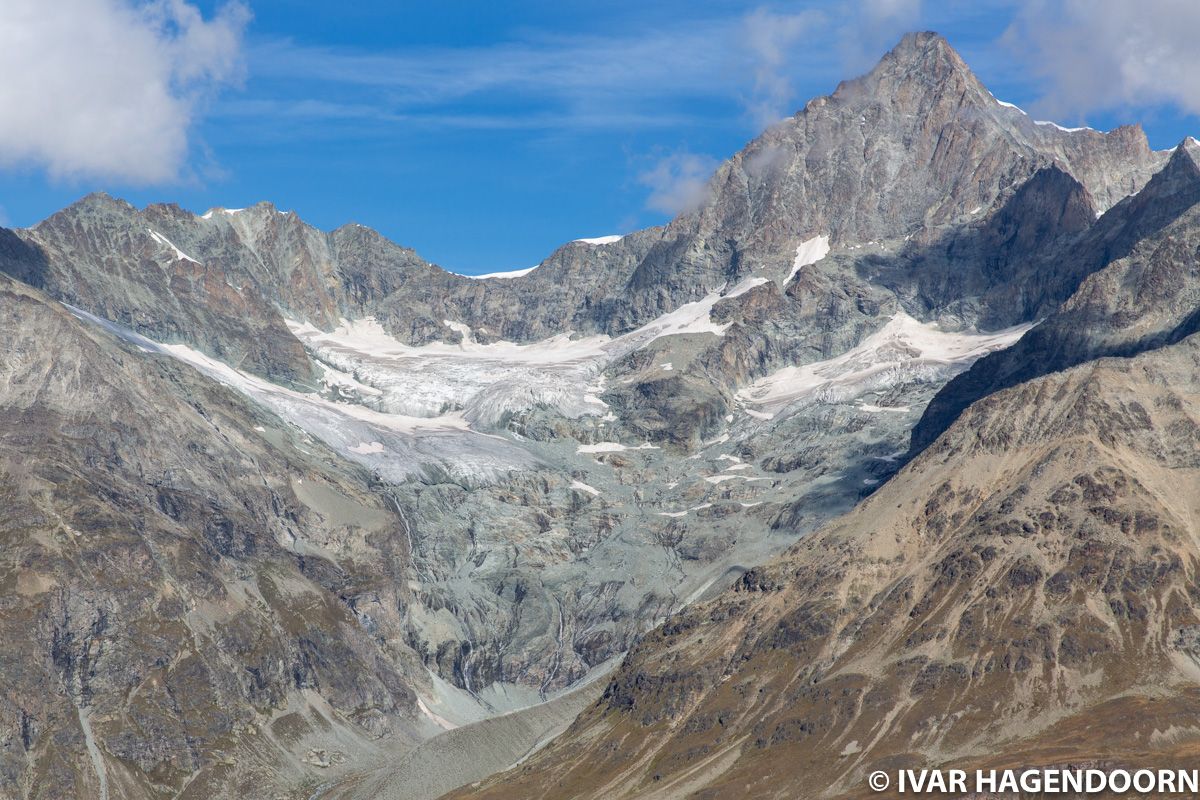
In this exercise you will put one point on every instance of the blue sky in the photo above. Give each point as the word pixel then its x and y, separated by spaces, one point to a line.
pixel 486 134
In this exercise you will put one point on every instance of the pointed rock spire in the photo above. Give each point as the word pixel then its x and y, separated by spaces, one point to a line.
pixel 920 65
pixel 922 50
pixel 1189 148
pixel 1177 183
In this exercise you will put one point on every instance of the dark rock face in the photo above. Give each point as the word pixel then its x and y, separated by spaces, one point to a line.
pixel 1142 295
pixel 22 260
pixel 994 271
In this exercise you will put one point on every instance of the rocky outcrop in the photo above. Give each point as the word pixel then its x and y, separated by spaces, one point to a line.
pixel 104 256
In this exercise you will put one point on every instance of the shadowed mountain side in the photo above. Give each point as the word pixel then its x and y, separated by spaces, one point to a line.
pixel 996 272
pixel 1145 297
pixel 20 259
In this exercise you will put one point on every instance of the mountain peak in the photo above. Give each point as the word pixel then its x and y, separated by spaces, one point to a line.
pixel 918 43
pixel 1189 147
pixel 101 200
pixel 924 53
pixel 1182 168
pixel 922 64
pixel 1178 182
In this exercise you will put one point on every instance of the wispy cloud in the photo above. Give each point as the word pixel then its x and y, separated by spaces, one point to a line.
pixel 732 70
pixel 568 66
pixel 110 88
pixel 873 26
pixel 773 39
pixel 318 113
pixel 1110 54
pixel 678 183
pixel 646 77
pixel 569 74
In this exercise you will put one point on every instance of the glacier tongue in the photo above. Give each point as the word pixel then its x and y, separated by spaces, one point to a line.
pixel 413 409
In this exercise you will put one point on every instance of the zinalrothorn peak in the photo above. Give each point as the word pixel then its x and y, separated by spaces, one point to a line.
pixel 925 58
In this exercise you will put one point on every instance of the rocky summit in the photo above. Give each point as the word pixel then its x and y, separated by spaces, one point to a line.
pixel 880 457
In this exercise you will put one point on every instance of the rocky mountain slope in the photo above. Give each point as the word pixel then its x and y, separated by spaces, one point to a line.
pixel 189 582
pixel 1144 299
pixel 1023 593
pixel 490 489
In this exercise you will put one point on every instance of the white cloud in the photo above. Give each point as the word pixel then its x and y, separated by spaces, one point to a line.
pixel 874 27
pixel 1110 54
pixel 109 88
pixel 763 162
pixel 678 183
pixel 689 59
pixel 783 46
pixel 772 40
pixel 889 12
pixel 640 76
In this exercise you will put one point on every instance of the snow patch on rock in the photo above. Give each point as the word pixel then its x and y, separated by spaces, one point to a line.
pixel 165 242
pixel 512 273
pixel 1039 121
pixel 613 447
pixel 810 251
pixel 600 240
